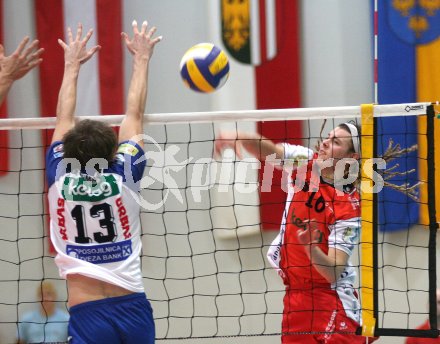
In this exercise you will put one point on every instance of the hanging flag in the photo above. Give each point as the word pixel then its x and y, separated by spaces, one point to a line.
pixel 406 30
pixel 428 90
pixel 4 137
pixel 111 74
pixel 265 33
pixel 414 22
pixel 100 87
pixel 278 87
pixel 50 27
pixel 249 30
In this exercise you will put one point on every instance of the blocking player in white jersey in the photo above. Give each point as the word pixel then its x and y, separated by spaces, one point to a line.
pixel 93 178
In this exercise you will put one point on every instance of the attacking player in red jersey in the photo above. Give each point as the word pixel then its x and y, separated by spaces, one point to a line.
pixel 319 230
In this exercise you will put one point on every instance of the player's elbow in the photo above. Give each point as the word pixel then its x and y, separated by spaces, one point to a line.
pixel 332 273
pixel 331 278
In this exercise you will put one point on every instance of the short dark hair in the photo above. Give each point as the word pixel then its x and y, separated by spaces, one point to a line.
pixel 90 139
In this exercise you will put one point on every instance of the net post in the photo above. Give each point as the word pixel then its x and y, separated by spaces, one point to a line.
pixel 433 224
pixel 366 243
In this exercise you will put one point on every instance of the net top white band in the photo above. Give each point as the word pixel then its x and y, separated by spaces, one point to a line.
pixel 409 109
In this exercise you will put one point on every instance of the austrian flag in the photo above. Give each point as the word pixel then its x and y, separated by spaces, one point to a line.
pixel 265 34
pixel 249 29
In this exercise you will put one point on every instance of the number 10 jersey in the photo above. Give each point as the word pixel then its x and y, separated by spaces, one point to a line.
pixel 94 218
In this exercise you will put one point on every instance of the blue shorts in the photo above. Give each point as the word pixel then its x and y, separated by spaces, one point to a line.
pixel 124 319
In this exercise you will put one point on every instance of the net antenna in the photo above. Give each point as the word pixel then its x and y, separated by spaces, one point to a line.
pixel 201 285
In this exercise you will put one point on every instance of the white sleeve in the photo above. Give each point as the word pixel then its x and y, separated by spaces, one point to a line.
pixel 344 234
pixel 294 156
pixel 295 153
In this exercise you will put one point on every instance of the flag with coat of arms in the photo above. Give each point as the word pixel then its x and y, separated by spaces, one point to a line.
pixel 265 34
pixel 408 71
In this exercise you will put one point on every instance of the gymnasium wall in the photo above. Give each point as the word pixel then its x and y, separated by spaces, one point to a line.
pixel 336 70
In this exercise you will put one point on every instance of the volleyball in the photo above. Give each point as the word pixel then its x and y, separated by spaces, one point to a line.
pixel 204 68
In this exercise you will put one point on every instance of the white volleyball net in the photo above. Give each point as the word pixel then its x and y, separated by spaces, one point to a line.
pixel 204 246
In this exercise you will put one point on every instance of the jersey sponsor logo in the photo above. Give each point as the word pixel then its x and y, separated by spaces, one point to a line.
pixel 123 218
pixel 297 221
pixel 58 151
pixel 355 203
pixel 89 190
pixel 128 148
pixel 350 238
pixel 100 254
pixel 273 253
pixel 343 326
pixel 61 219
pixel 330 326
pixel 350 235
pixel 58 148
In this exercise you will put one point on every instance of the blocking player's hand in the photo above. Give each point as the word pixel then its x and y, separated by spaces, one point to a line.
pixel 75 50
pixel 142 44
pixel 21 61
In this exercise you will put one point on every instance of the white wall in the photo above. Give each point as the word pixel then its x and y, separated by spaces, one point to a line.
pixel 336 71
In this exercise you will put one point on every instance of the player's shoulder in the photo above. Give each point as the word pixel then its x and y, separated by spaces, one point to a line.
pixel 346 202
pixel 56 150
pixel 54 156
pixel 129 162
pixel 129 148
pixel 128 152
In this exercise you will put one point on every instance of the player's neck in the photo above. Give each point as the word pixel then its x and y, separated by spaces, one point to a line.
pixel 327 175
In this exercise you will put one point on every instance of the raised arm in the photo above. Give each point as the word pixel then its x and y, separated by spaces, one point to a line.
pixel 75 54
pixel 18 64
pixel 257 145
pixel 141 46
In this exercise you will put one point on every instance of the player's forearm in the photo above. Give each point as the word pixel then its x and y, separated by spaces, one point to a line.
pixel 328 267
pixel 137 92
pixel 259 146
pixel 67 95
pixel 5 85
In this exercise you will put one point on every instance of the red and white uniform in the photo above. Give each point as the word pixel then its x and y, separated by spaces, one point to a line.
pixel 312 304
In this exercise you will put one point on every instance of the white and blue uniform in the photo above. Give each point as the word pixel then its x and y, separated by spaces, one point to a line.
pixel 95 223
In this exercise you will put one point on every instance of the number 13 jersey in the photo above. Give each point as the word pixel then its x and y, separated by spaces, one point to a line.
pixel 94 219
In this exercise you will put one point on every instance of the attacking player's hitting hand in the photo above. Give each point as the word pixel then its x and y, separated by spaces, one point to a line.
pixel 251 142
pixel 21 61
pixel 228 139
pixel 75 51
pixel 142 44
